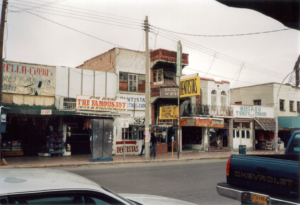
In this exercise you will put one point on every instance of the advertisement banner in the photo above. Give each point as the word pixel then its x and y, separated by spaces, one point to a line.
pixel 240 111
pixel 194 122
pixel 189 87
pixel 135 102
pixel 24 78
pixel 94 103
pixel 168 112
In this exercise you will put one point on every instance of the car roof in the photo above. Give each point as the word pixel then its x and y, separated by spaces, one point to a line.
pixel 35 180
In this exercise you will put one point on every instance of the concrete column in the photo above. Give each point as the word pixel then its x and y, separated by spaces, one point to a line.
pixel 205 137
pixel 231 133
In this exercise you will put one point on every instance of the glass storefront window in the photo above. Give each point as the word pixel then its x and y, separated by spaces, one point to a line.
pixel 243 133
pixel 237 133
pixel 233 134
pixel 236 124
pixel 248 134
pixel 245 124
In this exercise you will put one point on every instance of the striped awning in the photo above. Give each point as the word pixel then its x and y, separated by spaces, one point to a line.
pixel 267 124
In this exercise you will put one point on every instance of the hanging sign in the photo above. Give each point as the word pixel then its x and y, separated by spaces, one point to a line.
pixel 168 112
pixel 189 87
pixel 94 103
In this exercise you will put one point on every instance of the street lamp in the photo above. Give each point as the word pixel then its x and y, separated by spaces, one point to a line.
pixel 276 115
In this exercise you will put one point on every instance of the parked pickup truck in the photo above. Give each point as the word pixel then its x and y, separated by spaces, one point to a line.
pixel 264 179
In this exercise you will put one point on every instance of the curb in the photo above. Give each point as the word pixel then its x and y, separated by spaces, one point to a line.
pixel 110 163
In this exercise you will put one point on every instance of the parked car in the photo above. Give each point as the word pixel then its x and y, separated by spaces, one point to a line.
pixel 264 179
pixel 50 186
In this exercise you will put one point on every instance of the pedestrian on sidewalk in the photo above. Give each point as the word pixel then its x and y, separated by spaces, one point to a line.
pixel 143 147
pixel 153 142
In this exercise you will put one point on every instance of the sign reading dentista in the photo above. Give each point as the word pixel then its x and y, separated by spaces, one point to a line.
pixel 94 103
pixel 243 111
pixel 189 87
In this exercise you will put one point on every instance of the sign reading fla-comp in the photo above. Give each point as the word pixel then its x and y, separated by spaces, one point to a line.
pixel 94 103
pixel 189 87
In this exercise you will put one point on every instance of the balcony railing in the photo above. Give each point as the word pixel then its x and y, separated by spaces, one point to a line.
pixel 205 110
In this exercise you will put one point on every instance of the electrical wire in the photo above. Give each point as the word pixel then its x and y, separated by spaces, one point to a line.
pixel 226 58
pixel 86 15
pixel 196 47
pixel 230 35
pixel 89 20
pixel 211 64
pixel 137 52
pixel 42 5
pixel 79 10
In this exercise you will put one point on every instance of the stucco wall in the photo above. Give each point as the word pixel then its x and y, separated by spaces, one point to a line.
pixel 208 86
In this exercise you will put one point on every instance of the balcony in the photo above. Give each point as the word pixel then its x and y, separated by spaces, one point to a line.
pixel 169 56
pixel 188 109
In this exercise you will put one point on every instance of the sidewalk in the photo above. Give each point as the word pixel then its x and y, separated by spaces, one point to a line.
pixel 37 162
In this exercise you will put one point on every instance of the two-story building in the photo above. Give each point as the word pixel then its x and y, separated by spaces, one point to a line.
pixel 265 95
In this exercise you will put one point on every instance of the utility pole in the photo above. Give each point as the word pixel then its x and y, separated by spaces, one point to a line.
pixel 178 74
pixel 147 93
pixel 3 14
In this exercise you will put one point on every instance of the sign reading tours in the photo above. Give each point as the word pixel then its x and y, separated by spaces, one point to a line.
pixel 24 78
pixel 94 103
pixel 168 112
pixel 189 87
pixel 241 111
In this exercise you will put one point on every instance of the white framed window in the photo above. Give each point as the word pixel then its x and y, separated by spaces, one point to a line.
pixel 213 97
pixel 132 82
pixel 223 98
pixel 158 76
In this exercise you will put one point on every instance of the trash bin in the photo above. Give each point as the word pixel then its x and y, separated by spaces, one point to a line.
pixel 242 149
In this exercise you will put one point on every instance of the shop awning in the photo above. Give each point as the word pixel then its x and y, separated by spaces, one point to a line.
pixel 289 122
pixel 267 124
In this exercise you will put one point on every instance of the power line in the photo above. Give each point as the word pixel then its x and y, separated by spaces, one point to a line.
pixel 211 64
pixel 136 52
pixel 230 35
pixel 221 56
pixel 75 16
pixel 224 57
pixel 89 20
pixel 74 29
pixel 42 5
pixel 79 10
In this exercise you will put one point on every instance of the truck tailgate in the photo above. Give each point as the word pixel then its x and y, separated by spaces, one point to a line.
pixel 267 175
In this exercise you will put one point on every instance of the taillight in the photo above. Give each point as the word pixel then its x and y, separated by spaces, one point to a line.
pixel 228 166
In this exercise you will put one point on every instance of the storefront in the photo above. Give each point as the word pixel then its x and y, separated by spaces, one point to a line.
pixel 219 137
pixel 253 127
pixel 201 133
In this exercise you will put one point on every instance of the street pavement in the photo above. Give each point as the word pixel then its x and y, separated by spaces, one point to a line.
pixel 193 181
pixel 35 162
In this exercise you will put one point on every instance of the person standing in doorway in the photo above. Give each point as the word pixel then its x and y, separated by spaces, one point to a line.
pixel 153 142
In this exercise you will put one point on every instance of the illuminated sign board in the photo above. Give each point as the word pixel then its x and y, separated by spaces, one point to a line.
pixel 189 87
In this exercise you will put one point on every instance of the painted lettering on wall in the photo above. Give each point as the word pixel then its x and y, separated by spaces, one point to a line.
pixel 128 149
pixel 135 102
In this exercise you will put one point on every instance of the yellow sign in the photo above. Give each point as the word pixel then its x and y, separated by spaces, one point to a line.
pixel 168 112
pixel 189 87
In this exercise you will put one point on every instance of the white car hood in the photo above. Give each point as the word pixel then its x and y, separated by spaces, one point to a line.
pixel 154 200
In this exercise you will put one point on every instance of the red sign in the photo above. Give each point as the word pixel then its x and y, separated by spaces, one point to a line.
pixel 194 122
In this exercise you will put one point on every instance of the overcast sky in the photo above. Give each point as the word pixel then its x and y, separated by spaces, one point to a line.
pixel 50 38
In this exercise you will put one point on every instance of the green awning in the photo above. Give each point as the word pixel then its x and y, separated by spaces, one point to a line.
pixel 289 122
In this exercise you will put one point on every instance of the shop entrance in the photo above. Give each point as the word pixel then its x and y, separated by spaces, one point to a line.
pixel 218 138
pixel 192 138
pixel 242 135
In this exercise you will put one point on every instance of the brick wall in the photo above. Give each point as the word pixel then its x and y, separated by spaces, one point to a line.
pixel 166 55
pixel 161 149
pixel 101 62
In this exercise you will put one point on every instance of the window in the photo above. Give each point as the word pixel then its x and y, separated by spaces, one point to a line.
pixel 257 102
pixel 248 134
pixel 237 133
pixel 243 133
pixel 298 106
pixel 292 106
pixel 213 98
pixel 142 83
pixel 132 133
pixel 169 78
pixel 223 98
pixel 131 82
pixel 281 104
pixel 158 77
pixel 74 197
pixel 233 135
pixel 238 103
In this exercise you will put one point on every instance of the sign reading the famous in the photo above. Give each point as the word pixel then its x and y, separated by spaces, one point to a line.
pixel 168 112
pixel 189 87
pixel 94 103
pixel 24 78
pixel 241 111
